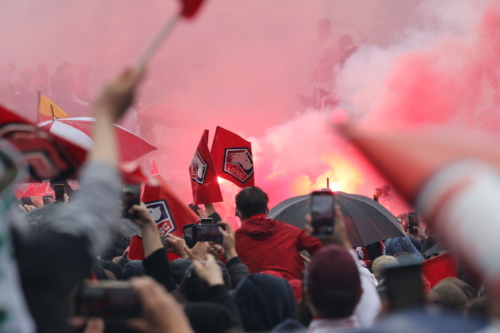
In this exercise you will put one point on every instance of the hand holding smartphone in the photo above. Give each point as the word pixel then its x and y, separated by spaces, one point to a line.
pixel 131 196
pixel 413 222
pixel 59 190
pixel 322 213
pixel 115 301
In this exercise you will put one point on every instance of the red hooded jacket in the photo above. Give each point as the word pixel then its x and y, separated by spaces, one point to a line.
pixel 266 244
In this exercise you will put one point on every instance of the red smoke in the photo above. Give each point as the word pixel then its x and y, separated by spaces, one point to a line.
pixel 236 65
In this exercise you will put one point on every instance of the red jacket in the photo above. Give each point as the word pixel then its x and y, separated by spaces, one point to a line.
pixel 266 244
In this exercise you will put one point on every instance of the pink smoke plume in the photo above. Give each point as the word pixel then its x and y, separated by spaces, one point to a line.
pixel 418 62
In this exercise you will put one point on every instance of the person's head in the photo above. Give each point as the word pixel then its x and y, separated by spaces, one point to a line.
pixel 381 264
pixel 324 29
pixel 42 70
pixel 448 296
pixel 467 289
pixel 251 201
pixel 477 307
pixel 263 301
pixel 333 283
pixel 405 258
pixel 345 41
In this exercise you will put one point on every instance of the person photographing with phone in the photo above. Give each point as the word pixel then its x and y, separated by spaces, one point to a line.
pixel 331 270
pixel 266 244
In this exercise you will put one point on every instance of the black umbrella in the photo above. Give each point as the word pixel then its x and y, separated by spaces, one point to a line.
pixel 366 220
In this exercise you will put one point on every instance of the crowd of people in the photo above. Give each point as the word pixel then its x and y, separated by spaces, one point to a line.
pixel 267 276
pixel 68 87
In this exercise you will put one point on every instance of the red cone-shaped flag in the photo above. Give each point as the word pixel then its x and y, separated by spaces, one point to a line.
pixel 439 268
pixel 154 169
pixel 203 176
pixel 409 159
pixel 168 210
pixel 233 159
pixel 190 7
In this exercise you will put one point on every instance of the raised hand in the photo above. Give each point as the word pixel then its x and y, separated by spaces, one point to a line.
pixel 229 241
pixel 161 312
pixel 209 271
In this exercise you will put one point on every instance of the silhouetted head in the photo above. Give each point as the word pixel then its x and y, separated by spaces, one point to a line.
pixel 324 29
pixel 345 41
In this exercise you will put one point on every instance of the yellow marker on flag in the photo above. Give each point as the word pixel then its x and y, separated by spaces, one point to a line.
pixel 47 110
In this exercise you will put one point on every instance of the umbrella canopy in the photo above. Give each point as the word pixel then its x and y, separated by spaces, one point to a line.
pixel 79 131
pixel 48 156
pixel 366 220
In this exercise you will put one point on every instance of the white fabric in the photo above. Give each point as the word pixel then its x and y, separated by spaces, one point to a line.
pixel 71 134
pixel 468 219
pixel 369 305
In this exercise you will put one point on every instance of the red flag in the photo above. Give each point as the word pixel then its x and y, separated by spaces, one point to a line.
pixel 190 7
pixel 232 156
pixel 440 267
pixel 203 176
pixel 168 210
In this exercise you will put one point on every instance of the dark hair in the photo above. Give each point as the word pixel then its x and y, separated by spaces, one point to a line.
pixel 335 303
pixel 252 201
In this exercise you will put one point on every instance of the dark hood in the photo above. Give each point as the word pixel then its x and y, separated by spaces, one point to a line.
pixel 264 301
pixel 260 227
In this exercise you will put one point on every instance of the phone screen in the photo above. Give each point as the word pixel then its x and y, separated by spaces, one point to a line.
pixel 27 201
pixel 404 286
pixel 59 190
pixel 108 302
pixel 413 222
pixel 208 233
pixel 47 200
pixel 322 213
pixel 189 235
pixel 131 195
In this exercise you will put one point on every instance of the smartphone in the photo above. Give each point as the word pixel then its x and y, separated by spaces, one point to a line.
pixel 322 213
pixel 188 235
pixel 207 233
pixel 26 201
pixel 47 200
pixel 59 190
pixel 205 221
pixel 404 287
pixel 131 196
pixel 116 301
pixel 413 222
pixel 166 244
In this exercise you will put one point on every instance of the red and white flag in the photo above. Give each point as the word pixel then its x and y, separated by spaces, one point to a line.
pixel 167 209
pixel 232 157
pixel 204 182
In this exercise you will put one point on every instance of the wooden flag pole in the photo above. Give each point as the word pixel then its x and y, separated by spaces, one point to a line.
pixel 165 31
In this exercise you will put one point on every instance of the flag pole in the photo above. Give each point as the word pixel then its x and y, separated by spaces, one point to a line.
pixel 164 32
pixel 52 109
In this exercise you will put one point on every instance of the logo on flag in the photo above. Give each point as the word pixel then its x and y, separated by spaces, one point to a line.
pixel 198 168
pixel 161 214
pixel 238 163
